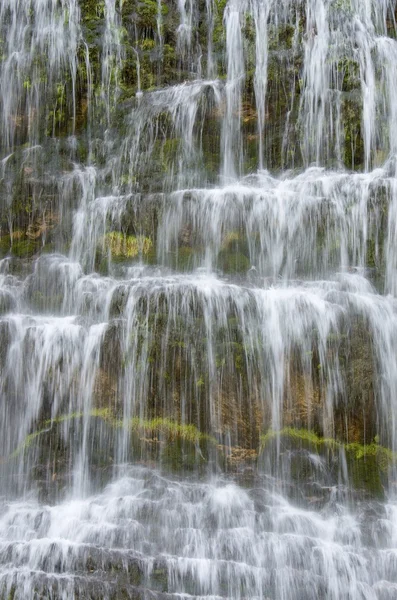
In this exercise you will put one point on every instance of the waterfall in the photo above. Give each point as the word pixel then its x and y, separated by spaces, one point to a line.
pixel 198 313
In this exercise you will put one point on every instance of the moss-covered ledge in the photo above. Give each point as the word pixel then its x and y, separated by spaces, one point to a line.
pixel 46 426
pixel 173 444
pixel 367 465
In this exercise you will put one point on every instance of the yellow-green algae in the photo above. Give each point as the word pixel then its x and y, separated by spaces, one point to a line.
pixel 158 426
pixel 127 246
pixel 384 455
pixel 367 464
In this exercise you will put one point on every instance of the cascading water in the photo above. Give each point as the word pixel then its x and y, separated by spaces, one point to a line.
pixel 198 238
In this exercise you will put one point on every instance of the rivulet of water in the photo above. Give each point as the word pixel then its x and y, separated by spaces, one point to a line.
pixel 198 314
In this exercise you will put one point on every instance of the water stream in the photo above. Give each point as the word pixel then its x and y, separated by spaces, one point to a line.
pixel 198 314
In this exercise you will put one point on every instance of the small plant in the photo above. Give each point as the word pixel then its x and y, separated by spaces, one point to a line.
pixel 127 246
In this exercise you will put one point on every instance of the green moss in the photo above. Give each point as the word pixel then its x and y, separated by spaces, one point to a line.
pixel 147 11
pixel 18 245
pixel 184 258
pixel 171 430
pixel 367 464
pixel 281 35
pixel 354 144
pixel 104 414
pixel 169 153
pixel 350 71
pixel 374 254
pixel 219 30
pixel 233 262
pixel 5 244
pixel 160 576
pixel 24 248
pixel 12 593
pixel 235 241
pixel 300 435
pixel 92 9
pixel 306 437
pixel 127 246
pixel 43 303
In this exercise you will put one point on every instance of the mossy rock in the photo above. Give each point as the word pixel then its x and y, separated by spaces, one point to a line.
pixel 181 455
pixel 49 452
pixel 5 245
pixel 366 473
pixel 235 241
pixel 308 458
pixel 176 447
pixel 46 303
pixel 5 336
pixel 122 247
pixel 233 262
pixel 7 302
pixel 18 245
pixel 147 12
pixel 24 248
pixel 184 259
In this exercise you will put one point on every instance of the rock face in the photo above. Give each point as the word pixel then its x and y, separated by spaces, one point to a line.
pixel 198 233
pixel 151 270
